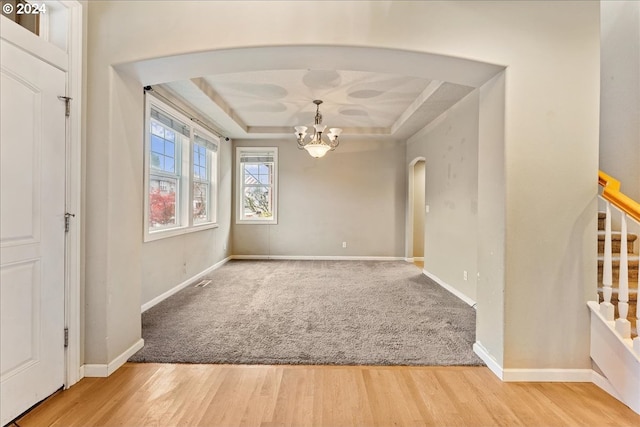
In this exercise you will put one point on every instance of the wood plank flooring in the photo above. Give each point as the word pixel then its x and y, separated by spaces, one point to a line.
pixel 269 396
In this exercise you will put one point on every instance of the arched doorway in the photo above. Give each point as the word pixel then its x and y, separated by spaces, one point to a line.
pixel 416 210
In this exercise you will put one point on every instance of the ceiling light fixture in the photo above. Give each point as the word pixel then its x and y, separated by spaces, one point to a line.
pixel 316 147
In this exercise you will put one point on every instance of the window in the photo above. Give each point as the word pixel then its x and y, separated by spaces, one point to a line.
pixel 202 179
pixel 180 173
pixel 256 189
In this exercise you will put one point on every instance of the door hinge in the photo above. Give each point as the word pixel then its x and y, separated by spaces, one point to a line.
pixel 67 105
pixel 66 337
pixel 67 217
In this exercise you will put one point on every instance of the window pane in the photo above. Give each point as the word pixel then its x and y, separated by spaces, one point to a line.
pixel 169 164
pixel 162 202
pixel 170 149
pixel 169 135
pixel 257 203
pixel 199 162
pixel 265 179
pixel 155 161
pixel 200 202
pixel 157 144
pixel 156 129
pixel 163 152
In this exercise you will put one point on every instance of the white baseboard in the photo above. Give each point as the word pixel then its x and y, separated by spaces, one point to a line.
pixel 147 305
pixel 319 257
pixel 100 370
pixel 532 375
pixel 491 363
pixel 450 288
pixel 418 258
pixel 409 259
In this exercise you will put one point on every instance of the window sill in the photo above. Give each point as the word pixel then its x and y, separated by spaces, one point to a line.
pixel 256 222
pixel 172 232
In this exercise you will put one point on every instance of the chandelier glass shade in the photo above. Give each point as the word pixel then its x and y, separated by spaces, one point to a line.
pixel 316 146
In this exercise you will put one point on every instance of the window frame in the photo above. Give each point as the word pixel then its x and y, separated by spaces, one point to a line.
pixel 185 170
pixel 239 190
pixel 210 162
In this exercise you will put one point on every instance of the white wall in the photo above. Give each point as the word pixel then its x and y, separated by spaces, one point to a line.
pixel 354 194
pixel 620 94
pixel 450 147
pixel 540 273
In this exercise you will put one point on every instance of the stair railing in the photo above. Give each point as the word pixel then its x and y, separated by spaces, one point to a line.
pixel 629 209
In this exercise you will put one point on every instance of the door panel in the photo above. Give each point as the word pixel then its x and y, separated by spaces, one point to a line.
pixel 32 203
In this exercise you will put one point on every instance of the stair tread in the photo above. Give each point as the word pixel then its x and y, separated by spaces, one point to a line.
pixel 616 235
pixel 615 257
pixel 615 290
pixel 633 291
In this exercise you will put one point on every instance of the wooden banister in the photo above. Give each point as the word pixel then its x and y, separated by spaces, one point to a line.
pixel 611 192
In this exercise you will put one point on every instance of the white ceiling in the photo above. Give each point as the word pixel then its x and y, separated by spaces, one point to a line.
pixel 269 103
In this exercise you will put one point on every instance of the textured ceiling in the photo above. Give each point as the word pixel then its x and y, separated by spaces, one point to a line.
pixel 263 104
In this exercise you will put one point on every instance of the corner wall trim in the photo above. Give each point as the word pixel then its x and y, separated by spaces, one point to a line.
pixel 605 385
pixel 450 288
pixel 491 363
pixel 147 305
pixel 100 370
pixel 319 257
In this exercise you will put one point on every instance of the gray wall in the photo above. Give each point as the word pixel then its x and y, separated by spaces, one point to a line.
pixel 354 194
pixel 620 93
pixel 450 147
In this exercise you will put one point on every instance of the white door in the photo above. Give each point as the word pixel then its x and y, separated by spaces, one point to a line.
pixel 32 245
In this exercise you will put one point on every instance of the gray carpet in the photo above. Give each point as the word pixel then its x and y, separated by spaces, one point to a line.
pixel 312 312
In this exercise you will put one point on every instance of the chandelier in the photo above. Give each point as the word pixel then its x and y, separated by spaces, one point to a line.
pixel 316 146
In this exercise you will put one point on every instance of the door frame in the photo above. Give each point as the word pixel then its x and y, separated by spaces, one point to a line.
pixel 69 61
pixel 410 208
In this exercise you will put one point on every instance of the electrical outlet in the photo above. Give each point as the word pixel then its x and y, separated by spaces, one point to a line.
pixel 464 275
pixel 344 244
pixel 426 209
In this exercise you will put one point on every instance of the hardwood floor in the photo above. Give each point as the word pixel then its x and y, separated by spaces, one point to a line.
pixel 269 396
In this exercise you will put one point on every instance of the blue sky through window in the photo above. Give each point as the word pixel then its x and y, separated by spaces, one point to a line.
pixel 163 148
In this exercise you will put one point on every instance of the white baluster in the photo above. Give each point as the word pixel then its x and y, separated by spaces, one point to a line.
pixel 606 308
pixel 623 326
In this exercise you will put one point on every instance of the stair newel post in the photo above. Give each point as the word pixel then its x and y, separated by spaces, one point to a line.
pixel 606 308
pixel 623 326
